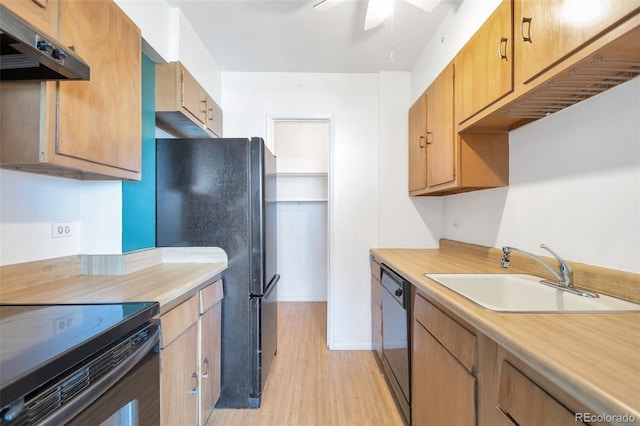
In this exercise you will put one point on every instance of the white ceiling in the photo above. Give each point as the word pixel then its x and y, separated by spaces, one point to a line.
pixel 292 36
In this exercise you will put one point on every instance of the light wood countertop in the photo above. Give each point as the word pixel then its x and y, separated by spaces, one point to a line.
pixel 166 278
pixel 593 357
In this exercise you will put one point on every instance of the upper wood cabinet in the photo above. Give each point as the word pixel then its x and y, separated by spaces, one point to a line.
pixel 442 162
pixel 42 14
pixel 183 107
pixel 83 129
pixel 418 144
pixel 484 66
pixel 549 30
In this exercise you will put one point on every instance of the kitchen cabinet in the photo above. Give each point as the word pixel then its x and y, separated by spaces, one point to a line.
pixel 42 14
pixel 418 144
pixel 190 358
pixel 548 31
pixel 83 129
pixel 209 324
pixel 179 365
pixel 440 135
pixel 376 308
pixel 444 361
pixel 563 53
pixel 183 107
pixel 484 66
pixel 451 163
pixel 522 402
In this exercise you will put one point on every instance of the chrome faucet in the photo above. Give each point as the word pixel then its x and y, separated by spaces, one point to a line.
pixel 563 276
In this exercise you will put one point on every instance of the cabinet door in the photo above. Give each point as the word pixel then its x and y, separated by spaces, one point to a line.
pixel 549 30
pixel 444 392
pixel 440 133
pixel 42 14
pixel 179 364
pixel 418 144
pixel 484 67
pixel 100 119
pixel 194 98
pixel 214 117
pixel 527 404
pixel 210 322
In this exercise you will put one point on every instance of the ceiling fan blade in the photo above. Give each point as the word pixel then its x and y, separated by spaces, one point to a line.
pixel 326 4
pixel 377 11
pixel 426 5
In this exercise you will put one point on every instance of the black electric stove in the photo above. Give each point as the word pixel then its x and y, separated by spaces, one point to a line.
pixel 40 342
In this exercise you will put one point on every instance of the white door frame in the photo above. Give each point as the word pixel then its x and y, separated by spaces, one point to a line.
pixel 271 118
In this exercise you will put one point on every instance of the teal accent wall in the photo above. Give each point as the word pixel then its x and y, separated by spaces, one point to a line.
pixel 139 198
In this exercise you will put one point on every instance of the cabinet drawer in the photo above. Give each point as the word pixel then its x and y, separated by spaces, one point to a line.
pixel 527 404
pixel 455 338
pixel 210 296
pixel 178 320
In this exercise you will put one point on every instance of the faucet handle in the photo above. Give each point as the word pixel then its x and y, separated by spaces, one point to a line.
pixel 564 267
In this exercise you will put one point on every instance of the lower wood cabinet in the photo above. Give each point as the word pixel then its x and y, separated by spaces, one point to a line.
pixel 444 386
pixel 190 358
pixel 462 377
pixel 376 308
pixel 522 402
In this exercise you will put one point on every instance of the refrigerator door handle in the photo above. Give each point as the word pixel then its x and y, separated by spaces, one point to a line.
pixel 271 284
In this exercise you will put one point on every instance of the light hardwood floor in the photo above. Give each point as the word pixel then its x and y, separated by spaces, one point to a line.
pixel 311 385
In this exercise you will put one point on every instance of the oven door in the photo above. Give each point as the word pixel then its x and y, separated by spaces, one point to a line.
pixel 127 395
pixel 133 401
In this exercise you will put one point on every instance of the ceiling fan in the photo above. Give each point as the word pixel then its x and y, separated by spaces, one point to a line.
pixel 378 10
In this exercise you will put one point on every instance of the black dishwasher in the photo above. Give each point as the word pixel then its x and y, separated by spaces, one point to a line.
pixel 396 354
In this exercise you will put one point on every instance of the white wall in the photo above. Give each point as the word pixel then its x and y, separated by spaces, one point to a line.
pixel 351 101
pixel 29 203
pixel 403 221
pixel 574 185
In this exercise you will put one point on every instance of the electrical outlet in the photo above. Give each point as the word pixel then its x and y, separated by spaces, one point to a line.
pixel 457 224
pixel 61 229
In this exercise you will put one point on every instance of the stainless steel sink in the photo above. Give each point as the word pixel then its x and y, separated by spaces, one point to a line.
pixel 525 293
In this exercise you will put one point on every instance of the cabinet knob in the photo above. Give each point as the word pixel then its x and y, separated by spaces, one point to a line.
pixel 205 374
pixel 194 391
pixel 502 48
pixel 526 22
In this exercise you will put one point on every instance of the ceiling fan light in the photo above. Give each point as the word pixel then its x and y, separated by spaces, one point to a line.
pixel 377 11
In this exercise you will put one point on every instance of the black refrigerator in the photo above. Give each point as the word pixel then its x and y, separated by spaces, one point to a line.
pixel 222 193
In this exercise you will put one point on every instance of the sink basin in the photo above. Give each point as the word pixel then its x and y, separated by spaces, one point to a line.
pixel 524 293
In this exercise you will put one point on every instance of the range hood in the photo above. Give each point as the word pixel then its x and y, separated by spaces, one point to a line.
pixel 27 54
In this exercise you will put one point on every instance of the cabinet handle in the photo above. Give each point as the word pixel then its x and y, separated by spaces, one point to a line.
pixel 203 106
pixel 210 114
pixel 527 22
pixel 429 138
pixel 503 42
pixel 194 391
pixel 205 375
pixel 422 142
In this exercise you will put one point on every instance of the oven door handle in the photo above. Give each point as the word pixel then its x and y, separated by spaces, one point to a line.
pixel 90 394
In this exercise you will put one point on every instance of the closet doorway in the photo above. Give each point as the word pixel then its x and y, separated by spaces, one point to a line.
pixel 302 150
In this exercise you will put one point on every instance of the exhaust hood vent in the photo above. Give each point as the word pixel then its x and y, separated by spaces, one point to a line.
pixel 26 54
